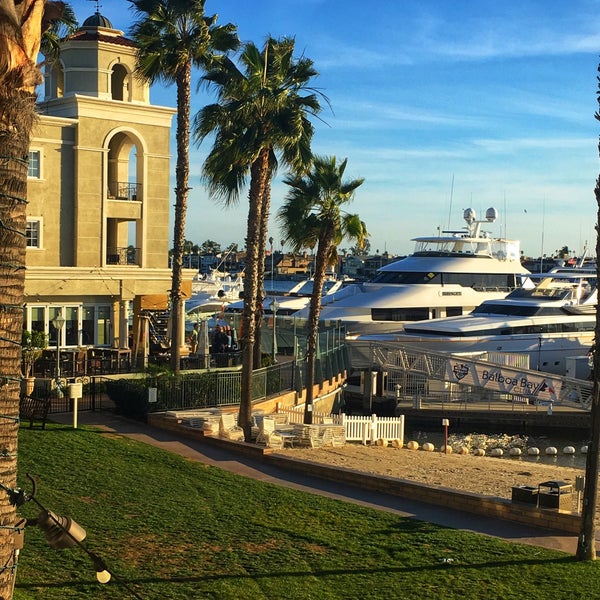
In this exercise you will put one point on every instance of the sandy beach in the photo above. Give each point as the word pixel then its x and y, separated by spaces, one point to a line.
pixel 486 475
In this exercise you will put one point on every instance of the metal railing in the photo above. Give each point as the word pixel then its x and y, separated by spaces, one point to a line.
pixel 123 256
pixel 94 394
pixel 422 375
pixel 210 389
pixel 124 190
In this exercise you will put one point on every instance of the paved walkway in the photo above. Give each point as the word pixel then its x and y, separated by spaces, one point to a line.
pixel 249 467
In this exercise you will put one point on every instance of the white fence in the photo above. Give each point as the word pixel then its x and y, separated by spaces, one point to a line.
pixel 357 428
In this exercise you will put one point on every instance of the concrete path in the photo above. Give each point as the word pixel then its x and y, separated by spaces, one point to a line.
pixel 262 471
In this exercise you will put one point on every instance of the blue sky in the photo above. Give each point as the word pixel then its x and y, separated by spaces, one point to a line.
pixel 440 105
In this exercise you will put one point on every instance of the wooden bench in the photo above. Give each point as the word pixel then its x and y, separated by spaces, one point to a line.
pixel 32 409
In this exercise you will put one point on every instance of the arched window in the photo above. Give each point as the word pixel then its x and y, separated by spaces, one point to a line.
pixel 119 82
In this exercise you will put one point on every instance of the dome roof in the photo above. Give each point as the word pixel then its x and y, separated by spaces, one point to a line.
pixel 97 20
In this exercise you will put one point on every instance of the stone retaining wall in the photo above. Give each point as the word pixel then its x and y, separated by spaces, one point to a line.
pixel 488 506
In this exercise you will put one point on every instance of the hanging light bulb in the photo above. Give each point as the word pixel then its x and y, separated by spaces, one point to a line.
pixel 103 576
pixel 102 573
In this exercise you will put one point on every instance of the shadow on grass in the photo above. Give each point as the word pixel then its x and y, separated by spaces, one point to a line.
pixel 455 566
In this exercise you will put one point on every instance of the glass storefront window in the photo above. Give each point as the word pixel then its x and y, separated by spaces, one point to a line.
pixel 103 325
pixel 53 312
pixel 87 325
pixel 71 326
pixel 38 320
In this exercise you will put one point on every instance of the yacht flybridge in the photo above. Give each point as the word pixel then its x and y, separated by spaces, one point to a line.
pixel 448 274
pixel 548 321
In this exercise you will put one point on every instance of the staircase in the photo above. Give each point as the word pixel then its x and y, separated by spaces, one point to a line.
pixel 158 321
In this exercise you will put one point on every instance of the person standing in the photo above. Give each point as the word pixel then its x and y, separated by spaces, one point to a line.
pixel 194 339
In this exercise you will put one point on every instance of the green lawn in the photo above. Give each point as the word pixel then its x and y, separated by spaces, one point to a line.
pixel 172 529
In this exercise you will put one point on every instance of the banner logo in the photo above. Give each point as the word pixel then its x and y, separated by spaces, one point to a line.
pixel 504 379
pixel 460 371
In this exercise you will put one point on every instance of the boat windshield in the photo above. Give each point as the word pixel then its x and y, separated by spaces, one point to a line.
pixel 515 310
pixel 406 277
pixel 462 245
pixel 539 294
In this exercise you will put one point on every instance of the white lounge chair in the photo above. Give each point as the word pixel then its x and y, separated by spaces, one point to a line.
pixel 267 434
pixel 228 428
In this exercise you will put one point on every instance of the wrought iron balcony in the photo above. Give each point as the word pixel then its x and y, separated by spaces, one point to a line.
pixel 124 190
pixel 123 256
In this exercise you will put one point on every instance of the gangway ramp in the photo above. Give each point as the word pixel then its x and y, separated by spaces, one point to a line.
pixel 412 371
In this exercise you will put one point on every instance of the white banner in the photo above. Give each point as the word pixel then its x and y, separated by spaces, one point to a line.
pixel 504 379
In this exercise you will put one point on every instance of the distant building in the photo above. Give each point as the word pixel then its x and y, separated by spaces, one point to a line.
pixel 98 191
pixel 353 266
pixel 294 264
pixel 375 262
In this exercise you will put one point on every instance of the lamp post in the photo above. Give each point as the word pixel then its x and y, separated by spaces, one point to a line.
pixel 58 323
pixel 445 424
pixel 271 243
pixel 274 307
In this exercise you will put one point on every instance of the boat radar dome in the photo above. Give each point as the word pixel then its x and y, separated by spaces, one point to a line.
pixel 469 215
pixel 491 214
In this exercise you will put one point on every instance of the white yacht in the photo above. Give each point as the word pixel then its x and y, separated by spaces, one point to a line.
pixel 291 302
pixel 448 274
pixel 212 293
pixel 547 322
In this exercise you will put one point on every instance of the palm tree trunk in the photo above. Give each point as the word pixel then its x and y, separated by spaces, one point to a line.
pixel 313 323
pixel 262 245
pixel 17 114
pixel 21 27
pixel 258 182
pixel 184 79
pixel 586 544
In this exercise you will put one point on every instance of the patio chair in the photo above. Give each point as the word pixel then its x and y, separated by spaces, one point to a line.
pixel 267 434
pixel 228 428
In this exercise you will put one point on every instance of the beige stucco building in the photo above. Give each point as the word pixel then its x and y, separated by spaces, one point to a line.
pixel 98 190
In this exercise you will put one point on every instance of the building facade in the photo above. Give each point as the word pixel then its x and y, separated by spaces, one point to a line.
pixel 98 191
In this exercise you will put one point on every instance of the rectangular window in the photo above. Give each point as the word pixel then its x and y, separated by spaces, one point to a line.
pixel 71 326
pixel 88 323
pixel 55 334
pixel 103 325
pixel 34 167
pixel 33 233
pixel 38 318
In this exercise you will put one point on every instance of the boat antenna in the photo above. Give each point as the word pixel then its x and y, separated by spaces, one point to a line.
pixel 451 196
pixel 543 226
pixel 505 215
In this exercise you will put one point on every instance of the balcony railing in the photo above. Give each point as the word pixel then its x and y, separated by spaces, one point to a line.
pixel 124 190
pixel 123 256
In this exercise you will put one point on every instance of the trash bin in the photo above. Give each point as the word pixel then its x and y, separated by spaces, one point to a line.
pixel 555 494
pixel 527 494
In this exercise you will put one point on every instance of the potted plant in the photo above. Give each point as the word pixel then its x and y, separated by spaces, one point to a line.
pixel 33 344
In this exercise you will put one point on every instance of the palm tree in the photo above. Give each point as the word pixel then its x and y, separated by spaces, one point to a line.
pixel 312 215
pixel 261 116
pixel 22 24
pixel 173 36
pixel 59 28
